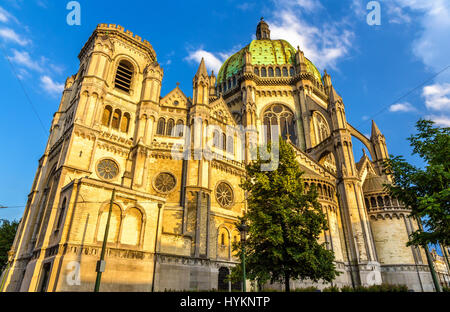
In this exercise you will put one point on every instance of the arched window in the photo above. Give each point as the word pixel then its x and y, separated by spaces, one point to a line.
pixel 256 70
pixel 270 72
pixel 132 227
pixel 281 118
pixel 229 84
pixel 224 142
pixel 373 202
pixel 114 226
pixel 216 138
pixel 387 201
pixel 116 119
pixel 285 72
pixel 124 76
pixel 61 214
pixel 263 72
pixel 234 81
pixel 125 125
pixel 106 119
pixel 278 72
pixel 323 131
pixel 380 201
pixel 161 127
pixel 170 126
pixel 292 71
pixel 222 239
pixel 179 129
pixel 230 146
pixel 367 203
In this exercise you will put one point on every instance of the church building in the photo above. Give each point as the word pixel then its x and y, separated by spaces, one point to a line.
pixel 172 168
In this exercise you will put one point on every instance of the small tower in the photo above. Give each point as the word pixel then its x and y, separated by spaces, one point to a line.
pixel 379 145
pixel 262 31
pixel 201 84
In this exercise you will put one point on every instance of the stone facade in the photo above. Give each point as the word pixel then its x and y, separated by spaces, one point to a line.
pixel 173 221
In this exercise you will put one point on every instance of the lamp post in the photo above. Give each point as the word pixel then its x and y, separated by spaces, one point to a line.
pixel 243 229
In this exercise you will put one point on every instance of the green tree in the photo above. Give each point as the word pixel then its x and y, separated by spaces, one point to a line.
pixel 285 223
pixel 425 190
pixel 7 233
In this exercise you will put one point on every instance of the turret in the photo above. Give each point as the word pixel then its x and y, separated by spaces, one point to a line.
pixel 212 84
pixel 201 85
pixel 263 30
pixel 379 145
pixel 151 85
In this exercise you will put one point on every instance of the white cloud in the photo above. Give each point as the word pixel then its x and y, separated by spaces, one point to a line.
pixel 9 34
pixel 402 107
pixel 431 46
pixel 307 5
pixel 24 59
pixel 437 97
pixel 50 86
pixel 440 120
pixel 5 16
pixel 212 61
pixel 324 46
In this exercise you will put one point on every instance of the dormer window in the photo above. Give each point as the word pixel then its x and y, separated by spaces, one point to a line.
pixel 124 76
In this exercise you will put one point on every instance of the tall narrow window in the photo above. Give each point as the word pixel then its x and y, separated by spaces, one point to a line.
pixel 263 72
pixel 216 138
pixel 161 127
pixel 230 147
pixel 270 72
pixel 125 125
pixel 256 71
pixel 106 119
pixel 285 72
pixel 281 117
pixel 116 119
pixel 180 129
pixel 224 142
pixel 277 72
pixel 292 71
pixel 124 76
pixel 61 214
pixel 170 126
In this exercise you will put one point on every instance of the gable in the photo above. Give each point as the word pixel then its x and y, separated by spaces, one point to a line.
pixel 175 99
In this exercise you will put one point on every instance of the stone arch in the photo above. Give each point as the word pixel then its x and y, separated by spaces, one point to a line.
pixel 115 223
pixel 133 225
pixel 363 139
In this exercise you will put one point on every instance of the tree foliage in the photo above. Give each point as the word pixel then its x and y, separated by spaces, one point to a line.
pixel 285 224
pixel 425 190
pixel 7 233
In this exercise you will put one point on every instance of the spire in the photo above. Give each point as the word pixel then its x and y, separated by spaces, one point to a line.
pixel 262 31
pixel 375 131
pixel 202 69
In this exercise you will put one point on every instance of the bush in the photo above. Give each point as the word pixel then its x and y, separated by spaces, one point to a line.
pixel 331 289
pixel 446 289
pixel 307 289
pixel 376 288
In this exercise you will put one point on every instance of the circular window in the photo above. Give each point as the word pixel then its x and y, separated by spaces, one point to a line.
pixel 224 194
pixel 165 182
pixel 176 103
pixel 108 169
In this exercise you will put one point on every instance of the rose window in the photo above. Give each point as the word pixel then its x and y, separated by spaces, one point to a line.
pixel 165 182
pixel 224 195
pixel 108 169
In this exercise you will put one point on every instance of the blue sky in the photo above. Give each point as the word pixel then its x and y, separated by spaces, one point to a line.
pixel 372 67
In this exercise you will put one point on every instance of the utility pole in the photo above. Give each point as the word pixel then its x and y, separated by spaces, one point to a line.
pixel 101 265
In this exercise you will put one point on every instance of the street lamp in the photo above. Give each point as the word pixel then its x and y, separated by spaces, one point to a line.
pixel 243 229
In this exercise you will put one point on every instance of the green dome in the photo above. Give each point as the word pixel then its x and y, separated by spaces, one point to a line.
pixel 264 52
